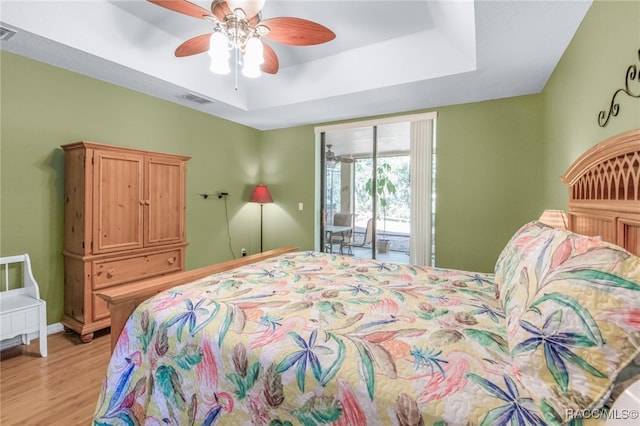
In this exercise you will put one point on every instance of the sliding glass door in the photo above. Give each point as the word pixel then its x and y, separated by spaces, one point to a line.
pixel 344 217
pixel 377 189
pixel 366 198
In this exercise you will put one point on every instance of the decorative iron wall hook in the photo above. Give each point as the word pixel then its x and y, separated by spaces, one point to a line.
pixel 614 108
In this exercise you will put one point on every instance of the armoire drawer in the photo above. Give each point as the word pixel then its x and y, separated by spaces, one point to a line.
pixel 113 272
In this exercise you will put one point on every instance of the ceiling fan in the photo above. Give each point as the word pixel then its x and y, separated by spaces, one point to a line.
pixel 331 159
pixel 238 28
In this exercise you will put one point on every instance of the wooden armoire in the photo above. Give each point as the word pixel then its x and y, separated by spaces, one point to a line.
pixel 124 221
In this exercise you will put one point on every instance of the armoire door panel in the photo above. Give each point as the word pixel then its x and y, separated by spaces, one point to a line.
pixel 119 201
pixel 164 205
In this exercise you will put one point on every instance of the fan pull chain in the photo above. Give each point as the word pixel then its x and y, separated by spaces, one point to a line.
pixel 236 49
pixel 236 67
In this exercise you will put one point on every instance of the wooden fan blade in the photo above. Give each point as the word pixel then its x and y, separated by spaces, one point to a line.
pixel 254 21
pixel 183 6
pixel 297 31
pixel 220 9
pixel 271 63
pixel 194 45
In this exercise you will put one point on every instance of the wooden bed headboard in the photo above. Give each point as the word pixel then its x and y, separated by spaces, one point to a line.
pixel 604 191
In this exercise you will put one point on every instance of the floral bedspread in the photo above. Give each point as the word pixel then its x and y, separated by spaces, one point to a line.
pixel 312 338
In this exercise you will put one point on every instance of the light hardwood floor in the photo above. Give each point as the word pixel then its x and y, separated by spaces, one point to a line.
pixel 61 389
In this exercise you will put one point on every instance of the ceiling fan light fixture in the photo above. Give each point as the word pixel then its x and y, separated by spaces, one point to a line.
pixel 249 7
pixel 251 70
pixel 253 58
pixel 219 53
pixel 254 52
pixel 218 45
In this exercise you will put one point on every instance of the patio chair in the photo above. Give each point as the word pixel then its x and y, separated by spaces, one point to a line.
pixel 368 237
pixel 341 219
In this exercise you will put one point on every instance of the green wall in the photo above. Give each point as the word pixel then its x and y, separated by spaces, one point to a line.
pixel 288 165
pixel 592 68
pixel 488 160
pixel 44 107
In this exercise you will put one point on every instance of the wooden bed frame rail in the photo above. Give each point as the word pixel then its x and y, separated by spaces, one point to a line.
pixel 123 301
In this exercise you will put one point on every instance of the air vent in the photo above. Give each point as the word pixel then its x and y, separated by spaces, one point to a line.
pixel 6 34
pixel 192 97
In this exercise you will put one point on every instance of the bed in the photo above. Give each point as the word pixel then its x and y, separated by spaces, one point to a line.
pixel 310 338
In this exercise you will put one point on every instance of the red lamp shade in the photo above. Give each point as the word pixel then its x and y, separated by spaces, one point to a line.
pixel 261 195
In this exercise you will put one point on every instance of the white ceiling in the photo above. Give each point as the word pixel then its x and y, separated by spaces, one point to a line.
pixel 387 57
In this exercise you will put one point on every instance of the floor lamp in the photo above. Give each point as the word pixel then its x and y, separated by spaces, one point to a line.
pixel 261 195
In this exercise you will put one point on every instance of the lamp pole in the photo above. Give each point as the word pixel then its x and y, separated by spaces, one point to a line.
pixel 261 195
pixel 261 205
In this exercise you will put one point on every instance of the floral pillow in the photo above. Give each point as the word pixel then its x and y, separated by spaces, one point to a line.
pixel 510 259
pixel 573 315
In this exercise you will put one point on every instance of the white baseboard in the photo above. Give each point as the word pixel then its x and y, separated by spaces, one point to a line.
pixel 16 341
pixel 55 328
